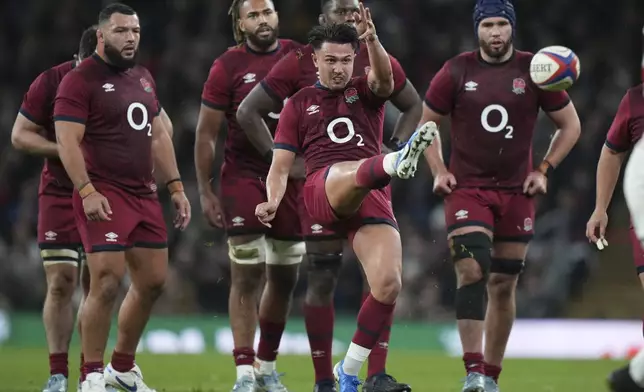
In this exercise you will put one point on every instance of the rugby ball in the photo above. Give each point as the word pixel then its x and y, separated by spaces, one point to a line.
pixel 554 68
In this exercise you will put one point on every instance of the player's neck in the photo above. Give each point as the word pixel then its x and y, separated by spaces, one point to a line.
pixel 497 60
pixel 259 50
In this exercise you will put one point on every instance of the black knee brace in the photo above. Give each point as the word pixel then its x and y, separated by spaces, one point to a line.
pixel 326 261
pixel 470 299
pixel 507 266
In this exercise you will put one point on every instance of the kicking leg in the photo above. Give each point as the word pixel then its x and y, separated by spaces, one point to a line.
pixel 61 269
pixel 324 263
pixel 283 259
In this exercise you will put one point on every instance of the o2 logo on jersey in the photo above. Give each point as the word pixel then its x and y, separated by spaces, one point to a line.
pixel 330 130
pixel 276 116
pixel 502 126
pixel 144 117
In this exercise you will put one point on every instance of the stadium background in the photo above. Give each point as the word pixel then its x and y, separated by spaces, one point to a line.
pixel 565 279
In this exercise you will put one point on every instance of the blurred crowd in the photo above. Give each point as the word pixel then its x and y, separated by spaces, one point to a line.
pixel 181 38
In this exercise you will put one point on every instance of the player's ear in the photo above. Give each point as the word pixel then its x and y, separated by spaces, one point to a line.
pixel 99 35
pixel 241 25
pixel 322 19
pixel 315 59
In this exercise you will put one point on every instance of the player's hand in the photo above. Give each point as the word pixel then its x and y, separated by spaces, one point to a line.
pixel 596 228
pixel 182 205
pixel 444 183
pixel 298 170
pixel 96 207
pixel 364 23
pixel 265 212
pixel 536 183
pixel 211 209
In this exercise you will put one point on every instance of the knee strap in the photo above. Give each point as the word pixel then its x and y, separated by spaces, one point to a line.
pixel 507 266
pixel 470 301
pixel 249 253
pixel 280 252
pixel 476 245
pixel 324 261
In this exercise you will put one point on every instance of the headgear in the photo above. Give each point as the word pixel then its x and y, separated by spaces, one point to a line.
pixel 493 8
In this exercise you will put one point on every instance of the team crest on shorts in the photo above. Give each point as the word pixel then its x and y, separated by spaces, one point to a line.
pixel 527 224
pixel 351 95
pixel 147 86
pixel 518 86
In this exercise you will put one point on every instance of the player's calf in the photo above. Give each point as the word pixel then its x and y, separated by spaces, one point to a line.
pixel 471 253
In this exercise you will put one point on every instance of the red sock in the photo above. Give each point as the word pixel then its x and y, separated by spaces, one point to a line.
pixel 121 362
pixel 473 363
pixel 91 367
pixel 319 322
pixel 244 356
pixel 371 320
pixel 58 364
pixel 371 174
pixel 492 371
pixel 270 335
pixel 378 356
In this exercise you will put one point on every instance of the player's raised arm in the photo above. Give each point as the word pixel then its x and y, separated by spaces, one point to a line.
pixel 380 76
pixel 610 163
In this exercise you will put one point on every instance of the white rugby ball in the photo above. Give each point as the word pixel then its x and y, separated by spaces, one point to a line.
pixel 555 68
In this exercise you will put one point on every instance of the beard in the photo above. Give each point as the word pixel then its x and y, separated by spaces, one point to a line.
pixel 494 52
pixel 263 42
pixel 115 57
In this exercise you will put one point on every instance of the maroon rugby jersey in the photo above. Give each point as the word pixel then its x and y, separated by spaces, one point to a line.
pixel 628 124
pixel 232 76
pixel 328 127
pixel 38 107
pixel 297 71
pixel 493 108
pixel 117 107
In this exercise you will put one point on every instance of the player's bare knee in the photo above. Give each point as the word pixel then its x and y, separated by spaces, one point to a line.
pixel 322 277
pixel 61 283
pixel 282 279
pixel 387 287
pixel 106 286
pixel 504 277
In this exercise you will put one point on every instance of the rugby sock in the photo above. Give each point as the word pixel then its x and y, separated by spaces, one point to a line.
pixel 371 174
pixel 269 343
pixel 492 371
pixel 244 358
pixel 371 320
pixel 121 362
pixel 91 367
pixel 474 363
pixel 636 368
pixel 58 364
pixel 319 322
pixel 378 357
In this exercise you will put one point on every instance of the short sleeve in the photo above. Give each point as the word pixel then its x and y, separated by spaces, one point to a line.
pixel 157 103
pixel 440 94
pixel 618 138
pixel 400 78
pixel 36 102
pixel 551 101
pixel 216 91
pixel 73 99
pixel 282 81
pixel 287 135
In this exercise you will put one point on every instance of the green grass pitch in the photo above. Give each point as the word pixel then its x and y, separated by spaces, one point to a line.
pixel 25 370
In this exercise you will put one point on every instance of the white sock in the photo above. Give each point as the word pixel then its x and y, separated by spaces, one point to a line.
pixel 636 368
pixel 245 370
pixel 389 163
pixel 266 367
pixel 356 356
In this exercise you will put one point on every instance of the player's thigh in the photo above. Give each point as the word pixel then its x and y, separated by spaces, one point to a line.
pixel 515 222
pixel 341 192
pixel 638 254
pixel 239 198
pixel 316 203
pixel 108 236
pixel 148 267
pixel 634 189
pixel 467 210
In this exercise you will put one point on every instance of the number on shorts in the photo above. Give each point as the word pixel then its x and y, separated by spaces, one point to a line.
pixel 144 117
pixel 276 116
pixel 352 131
pixel 502 126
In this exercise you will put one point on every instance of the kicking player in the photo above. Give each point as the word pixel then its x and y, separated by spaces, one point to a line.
pixel 108 106
pixel 625 131
pixel 253 248
pixel 58 239
pixel 490 184
pixel 324 246
pixel 337 126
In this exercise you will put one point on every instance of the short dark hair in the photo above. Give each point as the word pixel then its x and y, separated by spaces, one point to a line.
pixel 88 42
pixel 114 8
pixel 324 4
pixel 338 33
